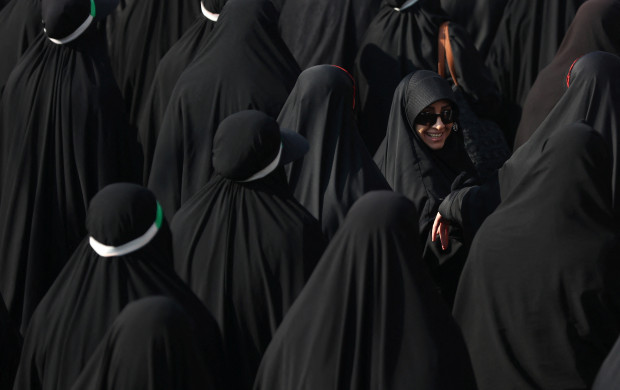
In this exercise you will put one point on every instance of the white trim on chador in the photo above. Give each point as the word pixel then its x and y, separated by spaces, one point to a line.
pixel 207 14
pixel 265 171
pixel 74 35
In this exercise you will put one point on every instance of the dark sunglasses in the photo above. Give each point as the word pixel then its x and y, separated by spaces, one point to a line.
pixel 426 118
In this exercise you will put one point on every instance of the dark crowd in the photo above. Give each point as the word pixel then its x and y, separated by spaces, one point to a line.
pixel 309 194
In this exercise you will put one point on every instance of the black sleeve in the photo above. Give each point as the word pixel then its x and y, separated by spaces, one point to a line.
pixel 468 207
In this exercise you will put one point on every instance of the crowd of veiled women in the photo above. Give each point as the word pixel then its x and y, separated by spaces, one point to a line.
pixel 295 194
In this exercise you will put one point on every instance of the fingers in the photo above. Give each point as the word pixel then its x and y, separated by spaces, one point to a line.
pixel 444 235
pixel 435 229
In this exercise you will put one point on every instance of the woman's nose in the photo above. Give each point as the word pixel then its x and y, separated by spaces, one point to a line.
pixel 439 123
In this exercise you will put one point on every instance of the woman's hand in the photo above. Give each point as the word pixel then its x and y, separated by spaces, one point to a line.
pixel 441 227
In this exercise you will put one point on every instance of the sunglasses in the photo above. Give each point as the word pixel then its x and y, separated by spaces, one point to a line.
pixel 429 118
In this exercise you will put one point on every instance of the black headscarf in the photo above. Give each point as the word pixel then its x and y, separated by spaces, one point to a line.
pixel 63 136
pixel 369 317
pixel 526 41
pixel 539 300
pixel 338 168
pixel 20 24
pixel 592 95
pixel 154 345
pixel 246 248
pixel 325 31
pixel 595 27
pixel 480 18
pixel 400 42
pixel 168 72
pixel 107 271
pixel 11 342
pixel 245 65
pixel 608 376
pixel 139 34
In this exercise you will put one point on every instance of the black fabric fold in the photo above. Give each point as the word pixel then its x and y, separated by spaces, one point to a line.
pixel 139 34
pixel 168 71
pixel 154 344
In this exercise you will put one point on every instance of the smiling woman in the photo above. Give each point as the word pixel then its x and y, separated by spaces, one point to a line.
pixel 435 123
pixel 421 156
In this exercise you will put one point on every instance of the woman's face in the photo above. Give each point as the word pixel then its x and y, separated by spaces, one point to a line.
pixel 434 134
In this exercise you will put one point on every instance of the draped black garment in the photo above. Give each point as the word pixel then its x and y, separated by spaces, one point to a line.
pixel 64 135
pixel 20 23
pixel 91 290
pixel 526 41
pixel 481 19
pixel 325 31
pixel 245 248
pixel 139 34
pixel 538 299
pixel 423 175
pixel 370 316
pixel 11 342
pixel 595 27
pixel 338 168
pixel 154 345
pixel 168 72
pixel 592 96
pixel 400 42
pixel 245 65
pixel 608 376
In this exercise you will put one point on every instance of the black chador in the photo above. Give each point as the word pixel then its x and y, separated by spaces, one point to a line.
pixel 243 243
pixel 370 316
pixel 338 168
pixel 245 65
pixel 64 136
pixel 126 256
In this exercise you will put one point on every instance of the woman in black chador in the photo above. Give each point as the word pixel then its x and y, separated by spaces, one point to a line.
pixel 526 41
pixel 63 136
pixel 539 299
pixel 243 243
pixel 152 345
pixel 370 317
pixel 245 65
pixel 127 256
pixel 139 34
pixel 338 168
pixel 595 27
pixel 402 38
pixel 168 72
pixel 421 156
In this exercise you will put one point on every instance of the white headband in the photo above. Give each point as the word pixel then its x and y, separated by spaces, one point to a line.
pixel 406 5
pixel 133 245
pixel 80 30
pixel 207 14
pixel 265 171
